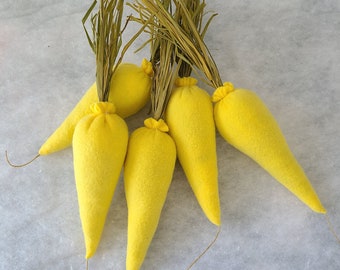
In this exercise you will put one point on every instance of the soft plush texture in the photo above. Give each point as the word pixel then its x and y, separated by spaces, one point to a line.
pixel 130 87
pixel 99 148
pixel 189 115
pixel 148 172
pixel 61 138
pixel 245 122
pixel 129 91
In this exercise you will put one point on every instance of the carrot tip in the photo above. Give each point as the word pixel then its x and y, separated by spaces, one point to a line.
pixel 19 165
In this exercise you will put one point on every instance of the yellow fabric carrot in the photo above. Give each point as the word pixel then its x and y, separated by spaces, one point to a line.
pixel 148 170
pixel 129 91
pixel 130 87
pixel 189 115
pixel 99 148
pixel 246 123
pixel 100 139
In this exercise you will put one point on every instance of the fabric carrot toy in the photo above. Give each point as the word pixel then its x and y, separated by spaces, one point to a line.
pixel 100 138
pixel 129 91
pixel 99 148
pixel 148 171
pixel 150 163
pixel 189 115
pixel 245 122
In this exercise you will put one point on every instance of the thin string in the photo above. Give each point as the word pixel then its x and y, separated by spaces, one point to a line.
pixel 331 228
pixel 206 249
pixel 19 165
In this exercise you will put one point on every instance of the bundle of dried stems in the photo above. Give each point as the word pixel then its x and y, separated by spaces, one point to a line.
pixel 185 30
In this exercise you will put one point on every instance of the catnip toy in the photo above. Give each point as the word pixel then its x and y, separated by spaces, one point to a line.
pixel 190 118
pixel 99 147
pixel 246 123
pixel 148 171
pixel 150 161
pixel 100 139
pixel 189 113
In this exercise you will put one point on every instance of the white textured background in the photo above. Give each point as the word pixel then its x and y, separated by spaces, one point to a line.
pixel 286 51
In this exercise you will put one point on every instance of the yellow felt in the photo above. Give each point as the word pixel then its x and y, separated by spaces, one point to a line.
pixel 99 148
pixel 148 172
pixel 129 91
pixel 130 85
pixel 61 138
pixel 147 67
pixel 247 124
pixel 190 119
pixel 160 124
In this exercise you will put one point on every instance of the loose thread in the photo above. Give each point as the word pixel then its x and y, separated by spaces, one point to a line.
pixel 19 165
pixel 206 249
pixel 331 228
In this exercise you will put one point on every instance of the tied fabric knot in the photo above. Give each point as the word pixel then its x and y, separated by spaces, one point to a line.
pixel 222 91
pixel 103 107
pixel 185 81
pixel 147 67
pixel 156 124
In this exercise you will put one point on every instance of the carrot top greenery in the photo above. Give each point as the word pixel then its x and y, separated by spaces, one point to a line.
pixel 163 61
pixel 163 79
pixel 195 10
pixel 185 29
pixel 106 41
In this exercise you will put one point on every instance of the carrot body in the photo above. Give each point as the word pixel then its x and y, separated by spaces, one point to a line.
pixel 99 148
pixel 189 115
pixel 130 87
pixel 246 123
pixel 61 138
pixel 129 91
pixel 148 172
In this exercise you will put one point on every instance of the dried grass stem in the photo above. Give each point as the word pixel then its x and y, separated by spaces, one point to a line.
pixel 186 34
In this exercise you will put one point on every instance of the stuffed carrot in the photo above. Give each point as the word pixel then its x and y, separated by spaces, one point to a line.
pixel 130 87
pixel 189 115
pixel 150 161
pixel 246 123
pixel 100 138
pixel 99 148
pixel 129 90
pixel 148 173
